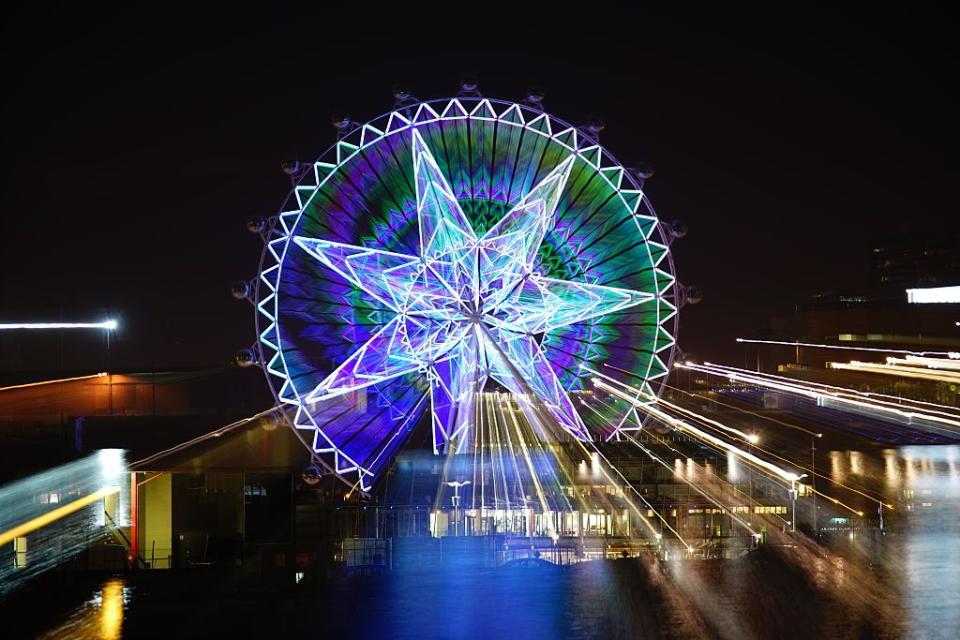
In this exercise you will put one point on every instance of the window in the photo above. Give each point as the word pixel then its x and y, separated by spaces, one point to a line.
pixel 254 490
pixel 778 510
pixel 20 552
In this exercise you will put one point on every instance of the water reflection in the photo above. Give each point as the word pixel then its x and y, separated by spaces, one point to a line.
pixel 100 618
pixel 902 582
pixel 929 546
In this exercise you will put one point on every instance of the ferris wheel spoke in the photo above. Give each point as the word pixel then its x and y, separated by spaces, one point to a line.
pixel 403 345
pixel 544 304
pixel 521 231
pixel 361 267
pixel 518 363
pixel 454 385
pixel 507 251
pixel 443 225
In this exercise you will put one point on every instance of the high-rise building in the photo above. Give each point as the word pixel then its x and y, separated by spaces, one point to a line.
pixel 905 261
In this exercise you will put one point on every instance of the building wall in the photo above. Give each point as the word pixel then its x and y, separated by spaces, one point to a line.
pixel 156 521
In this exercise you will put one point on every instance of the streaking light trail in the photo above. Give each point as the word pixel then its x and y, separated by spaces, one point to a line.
pixel 106 325
pixel 51 516
pixel 693 486
pixel 682 425
pixel 57 381
pixel 897 370
pixel 899 401
pixel 947 354
pixel 932 363
pixel 845 485
pixel 54 515
pixel 838 398
pixel 755 414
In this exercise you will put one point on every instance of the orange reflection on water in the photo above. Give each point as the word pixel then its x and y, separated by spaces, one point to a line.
pixel 111 610
pixel 100 618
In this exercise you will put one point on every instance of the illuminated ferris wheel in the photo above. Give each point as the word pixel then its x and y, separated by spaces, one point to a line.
pixel 453 247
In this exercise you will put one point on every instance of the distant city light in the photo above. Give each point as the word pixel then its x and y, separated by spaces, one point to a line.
pixel 933 295
pixel 108 325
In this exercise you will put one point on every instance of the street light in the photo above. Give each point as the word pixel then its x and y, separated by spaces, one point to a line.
pixel 106 325
pixel 456 503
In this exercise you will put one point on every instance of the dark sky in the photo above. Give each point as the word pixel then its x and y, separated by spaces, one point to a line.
pixel 135 147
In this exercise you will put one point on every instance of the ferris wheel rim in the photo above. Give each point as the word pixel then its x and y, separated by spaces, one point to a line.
pixel 331 150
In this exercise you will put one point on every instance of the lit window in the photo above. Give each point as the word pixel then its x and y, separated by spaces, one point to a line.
pixel 20 552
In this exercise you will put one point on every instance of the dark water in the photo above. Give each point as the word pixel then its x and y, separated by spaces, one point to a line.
pixel 904 582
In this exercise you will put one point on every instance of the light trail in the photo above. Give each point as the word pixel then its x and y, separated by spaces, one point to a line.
pixel 643 518
pixel 55 514
pixel 544 505
pixel 57 381
pixel 709 421
pixel 801 467
pixel 946 425
pixel 728 510
pixel 564 467
pixel 477 449
pixel 213 434
pixel 107 325
pixel 499 449
pixel 513 454
pixel 896 370
pixel 897 401
pixel 702 418
pixel 932 363
pixel 756 414
pixel 686 427
pixel 749 498
pixel 751 438
pixel 948 354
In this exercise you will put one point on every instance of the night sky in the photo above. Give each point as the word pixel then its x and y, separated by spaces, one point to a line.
pixel 136 146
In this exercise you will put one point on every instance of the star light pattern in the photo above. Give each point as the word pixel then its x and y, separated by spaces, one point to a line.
pixel 453 246
pixel 468 307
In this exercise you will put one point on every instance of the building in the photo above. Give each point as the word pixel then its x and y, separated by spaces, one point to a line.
pixel 909 261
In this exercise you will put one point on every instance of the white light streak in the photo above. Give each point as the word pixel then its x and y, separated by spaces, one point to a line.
pixel 107 325
pixel 931 363
pixel 57 381
pixel 946 354
pixel 682 425
pixel 842 398
pixel 897 370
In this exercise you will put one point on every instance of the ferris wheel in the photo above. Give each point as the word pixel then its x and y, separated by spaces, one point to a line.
pixel 452 247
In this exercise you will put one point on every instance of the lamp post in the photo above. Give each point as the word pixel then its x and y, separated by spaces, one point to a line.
pixel 813 482
pixel 793 498
pixel 456 503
